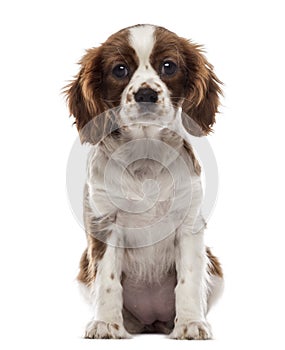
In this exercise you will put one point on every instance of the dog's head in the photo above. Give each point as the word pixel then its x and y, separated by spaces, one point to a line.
pixel 144 67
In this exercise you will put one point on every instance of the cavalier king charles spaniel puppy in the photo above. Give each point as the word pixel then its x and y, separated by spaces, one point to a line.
pixel 137 101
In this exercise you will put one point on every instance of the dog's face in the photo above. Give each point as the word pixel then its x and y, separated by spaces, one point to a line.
pixel 144 68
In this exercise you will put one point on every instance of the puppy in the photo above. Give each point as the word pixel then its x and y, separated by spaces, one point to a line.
pixel 136 100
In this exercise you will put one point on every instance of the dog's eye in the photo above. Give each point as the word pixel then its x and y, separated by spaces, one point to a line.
pixel 120 71
pixel 168 68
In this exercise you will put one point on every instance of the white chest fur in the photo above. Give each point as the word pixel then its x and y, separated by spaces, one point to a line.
pixel 148 181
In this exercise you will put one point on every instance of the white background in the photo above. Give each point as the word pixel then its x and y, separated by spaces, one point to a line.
pixel 41 242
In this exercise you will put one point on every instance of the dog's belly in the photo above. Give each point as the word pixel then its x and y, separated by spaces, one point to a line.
pixel 150 301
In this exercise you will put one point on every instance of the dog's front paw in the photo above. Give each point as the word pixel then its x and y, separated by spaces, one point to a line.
pixel 191 331
pixel 104 330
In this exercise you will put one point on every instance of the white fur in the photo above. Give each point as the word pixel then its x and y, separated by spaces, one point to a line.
pixel 142 40
pixel 108 305
pixel 148 264
pixel 191 290
pixel 106 298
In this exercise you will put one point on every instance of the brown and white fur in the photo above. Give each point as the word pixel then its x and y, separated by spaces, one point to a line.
pixel 142 283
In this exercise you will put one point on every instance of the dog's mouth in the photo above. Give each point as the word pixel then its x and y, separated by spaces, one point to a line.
pixel 146 109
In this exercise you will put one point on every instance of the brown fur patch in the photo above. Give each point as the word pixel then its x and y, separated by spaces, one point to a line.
pixel 214 266
pixel 116 326
pixel 89 260
pixel 97 233
pixel 145 85
pixel 83 275
pixel 195 162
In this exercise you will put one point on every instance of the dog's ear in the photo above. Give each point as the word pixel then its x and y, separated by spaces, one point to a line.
pixel 85 101
pixel 76 102
pixel 202 91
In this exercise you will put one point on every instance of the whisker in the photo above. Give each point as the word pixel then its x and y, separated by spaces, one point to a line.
pixel 181 98
pixel 109 101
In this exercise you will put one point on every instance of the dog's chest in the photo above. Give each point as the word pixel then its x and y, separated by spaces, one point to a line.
pixel 143 176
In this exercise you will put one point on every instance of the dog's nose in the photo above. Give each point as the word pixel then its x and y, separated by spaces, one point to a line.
pixel 146 95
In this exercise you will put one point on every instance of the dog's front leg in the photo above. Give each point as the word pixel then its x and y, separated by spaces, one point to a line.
pixel 190 291
pixel 107 298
